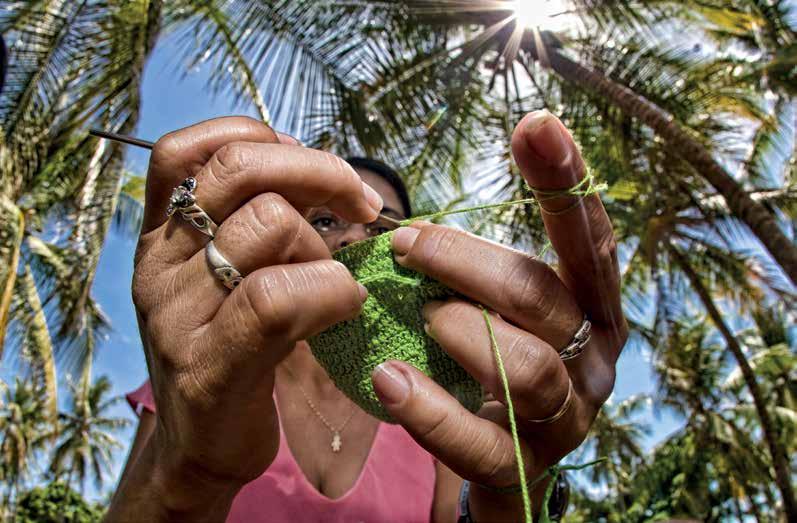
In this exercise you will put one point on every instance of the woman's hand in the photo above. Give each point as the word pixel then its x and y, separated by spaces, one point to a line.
pixel 539 310
pixel 211 352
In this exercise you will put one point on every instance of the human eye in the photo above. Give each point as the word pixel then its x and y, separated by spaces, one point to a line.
pixel 325 223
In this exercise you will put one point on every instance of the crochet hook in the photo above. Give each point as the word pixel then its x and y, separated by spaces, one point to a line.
pixel 149 145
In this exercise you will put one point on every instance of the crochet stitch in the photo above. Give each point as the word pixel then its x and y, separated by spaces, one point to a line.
pixel 390 327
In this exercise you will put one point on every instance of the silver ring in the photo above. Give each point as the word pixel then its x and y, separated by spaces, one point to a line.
pixel 223 269
pixel 579 341
pixel 183 201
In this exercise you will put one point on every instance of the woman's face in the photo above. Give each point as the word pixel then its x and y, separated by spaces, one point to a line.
pixel 338 233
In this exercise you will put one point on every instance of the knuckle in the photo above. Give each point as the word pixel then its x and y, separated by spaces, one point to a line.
pixel 598 389
pixel 252 124
pixel 550 367
pixel 453 312
pixel 167 146
pixel 607 253
pixel 140 294
pixel 531 289
pixel 146 285
pixel 271 216
pixel 520 364
pixel 533 373
pixel 551 398
pixel 349 180
pixel 230 159
pixel 272 306
pixel 338 164
pixel 195 386
pixel 496 463
pixel 438 427
pixel 435 245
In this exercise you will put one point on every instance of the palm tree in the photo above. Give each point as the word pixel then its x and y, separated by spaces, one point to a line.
pixel 72 63
pixel 616 435
pixel 713 467
pixel 770 430
pixel 407 80
pixel 421 55
pixel 23 431
pixel 774 362
pixel 87 437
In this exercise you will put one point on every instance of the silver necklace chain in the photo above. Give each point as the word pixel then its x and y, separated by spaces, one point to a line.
pixel 337 442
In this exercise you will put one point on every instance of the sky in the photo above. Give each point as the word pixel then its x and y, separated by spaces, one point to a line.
pixel 172 100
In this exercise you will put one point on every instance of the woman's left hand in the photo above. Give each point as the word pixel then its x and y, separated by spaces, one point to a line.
pixel 539 309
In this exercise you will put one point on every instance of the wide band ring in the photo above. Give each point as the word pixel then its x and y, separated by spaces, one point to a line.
pixel 562 410
pixel 578 343
pixel 183 201
pixel 223 269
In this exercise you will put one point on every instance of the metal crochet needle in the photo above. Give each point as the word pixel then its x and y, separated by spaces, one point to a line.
pixel 149 145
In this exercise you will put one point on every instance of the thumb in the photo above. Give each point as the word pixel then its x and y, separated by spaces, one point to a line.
pixel 475 448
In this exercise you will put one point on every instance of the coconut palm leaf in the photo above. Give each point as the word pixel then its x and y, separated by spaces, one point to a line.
pixel 87 436
pixel 74 65
pixel 22 432
pixel 210 32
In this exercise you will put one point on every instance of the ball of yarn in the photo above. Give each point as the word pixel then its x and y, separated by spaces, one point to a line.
pixel 390 327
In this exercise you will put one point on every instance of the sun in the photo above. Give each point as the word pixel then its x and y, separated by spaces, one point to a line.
pixel 541 14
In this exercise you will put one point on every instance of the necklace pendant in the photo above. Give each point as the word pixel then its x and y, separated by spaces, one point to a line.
pixel 336 442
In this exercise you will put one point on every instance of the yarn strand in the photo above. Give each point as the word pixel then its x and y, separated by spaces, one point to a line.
pixel 553 471
pixel 541 195
pixel 581 190
pixel 524 489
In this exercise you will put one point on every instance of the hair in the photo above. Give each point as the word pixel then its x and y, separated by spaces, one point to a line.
pixel 388 174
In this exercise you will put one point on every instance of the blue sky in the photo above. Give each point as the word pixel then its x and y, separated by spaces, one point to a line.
pixel 171 101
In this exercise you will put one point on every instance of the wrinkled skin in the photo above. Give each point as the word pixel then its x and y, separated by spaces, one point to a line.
pixel 212 353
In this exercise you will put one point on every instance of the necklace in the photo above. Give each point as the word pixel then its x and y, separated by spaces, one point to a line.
pixel 337 442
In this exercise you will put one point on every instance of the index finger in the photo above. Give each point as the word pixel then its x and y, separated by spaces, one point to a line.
pixel 182 153
pixel 579 228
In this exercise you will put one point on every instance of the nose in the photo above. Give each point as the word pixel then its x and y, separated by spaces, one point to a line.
pixel 354 233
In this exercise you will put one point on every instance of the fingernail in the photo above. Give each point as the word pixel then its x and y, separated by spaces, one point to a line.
pixel 428 329
pixel 373 198
pixel 390 383
pixel 403 239
pixel 537 119
pixel 363 292
pixel 287 139
pixel 546 138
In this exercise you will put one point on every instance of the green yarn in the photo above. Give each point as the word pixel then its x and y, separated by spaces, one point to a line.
pixel 552 472
pixel 390 327
pixel 521 467
pixel 586 187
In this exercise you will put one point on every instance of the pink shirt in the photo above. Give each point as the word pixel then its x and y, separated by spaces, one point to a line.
pixel 395 485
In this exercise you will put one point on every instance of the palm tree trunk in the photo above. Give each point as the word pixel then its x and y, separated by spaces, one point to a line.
pixel 7 289
pixel 751 212
pixel 780 461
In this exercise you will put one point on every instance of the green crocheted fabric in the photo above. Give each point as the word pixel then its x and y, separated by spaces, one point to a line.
pixel 390 327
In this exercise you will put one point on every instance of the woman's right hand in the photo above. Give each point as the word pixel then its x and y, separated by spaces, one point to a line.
pixel 211 353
